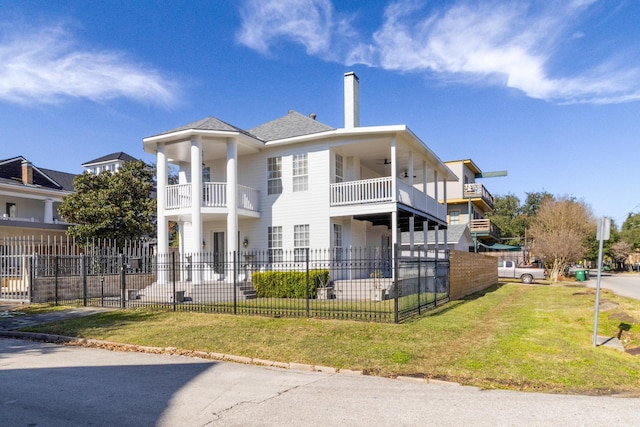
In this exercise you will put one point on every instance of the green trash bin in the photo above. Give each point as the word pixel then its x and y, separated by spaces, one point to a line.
pixel 580 275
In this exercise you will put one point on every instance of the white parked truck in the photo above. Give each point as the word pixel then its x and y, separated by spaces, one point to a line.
pixel 526 274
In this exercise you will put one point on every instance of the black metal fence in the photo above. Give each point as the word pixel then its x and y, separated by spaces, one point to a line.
pixel 364 284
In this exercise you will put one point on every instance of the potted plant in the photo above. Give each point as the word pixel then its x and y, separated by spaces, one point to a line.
pixel 324 290
pixel 377 290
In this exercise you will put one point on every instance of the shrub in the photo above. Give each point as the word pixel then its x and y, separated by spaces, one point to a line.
pixel 288 284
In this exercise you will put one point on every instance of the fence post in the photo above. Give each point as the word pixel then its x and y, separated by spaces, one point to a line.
pixel 419 282
pixel 173 282
pixel 236 259
pixel 123 284
pixel 83 259
pixel 306 289
pixel 55 277
pixel 32 277
pixel 396 272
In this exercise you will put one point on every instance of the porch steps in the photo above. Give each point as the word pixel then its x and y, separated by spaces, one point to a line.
pixel 210 291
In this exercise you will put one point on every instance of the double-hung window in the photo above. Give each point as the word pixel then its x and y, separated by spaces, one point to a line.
pixel 300 172
pixel 337 242
pixel 275 244
pixel 300 242
pixel 274 175
pixel 339 168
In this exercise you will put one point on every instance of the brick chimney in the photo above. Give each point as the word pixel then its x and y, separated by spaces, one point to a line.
pixel 27 172
pixel 351 100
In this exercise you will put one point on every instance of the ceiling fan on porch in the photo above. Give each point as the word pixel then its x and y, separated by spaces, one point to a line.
pixel 406 174
pixel 385 162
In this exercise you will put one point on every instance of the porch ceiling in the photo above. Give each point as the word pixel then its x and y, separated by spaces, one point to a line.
pixel 384 218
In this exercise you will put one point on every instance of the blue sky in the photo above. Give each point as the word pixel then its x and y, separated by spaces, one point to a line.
pixel 547 90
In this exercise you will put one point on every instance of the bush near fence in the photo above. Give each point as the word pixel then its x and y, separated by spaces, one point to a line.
pixel 289 284
pixel 471 272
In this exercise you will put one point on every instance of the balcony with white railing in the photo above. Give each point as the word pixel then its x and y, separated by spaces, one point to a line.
pixel 214 195
pixel 379 190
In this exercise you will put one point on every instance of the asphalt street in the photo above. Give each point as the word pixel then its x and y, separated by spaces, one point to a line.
pixel 53 385
pixel 625 284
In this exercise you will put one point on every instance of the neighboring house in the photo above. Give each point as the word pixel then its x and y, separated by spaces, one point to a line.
pixel 111 162
pixel 295 183
pixel 468 203
pixel 29 198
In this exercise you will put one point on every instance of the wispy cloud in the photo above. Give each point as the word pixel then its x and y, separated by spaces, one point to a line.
pixel 312 23
pixel 45 66
pixel 507 43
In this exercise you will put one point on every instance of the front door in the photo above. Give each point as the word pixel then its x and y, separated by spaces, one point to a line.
pixel 218 251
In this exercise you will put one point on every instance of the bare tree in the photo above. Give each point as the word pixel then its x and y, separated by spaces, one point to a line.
pixel 559 229
pixel 621 251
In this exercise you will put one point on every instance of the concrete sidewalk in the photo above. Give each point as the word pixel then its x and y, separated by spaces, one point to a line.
pixel 11 318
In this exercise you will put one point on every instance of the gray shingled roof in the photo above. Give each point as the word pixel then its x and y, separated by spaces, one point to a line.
pixel 208 123
pixel 11 173
pixel 289 126
pixel 63 178
pixel 110 157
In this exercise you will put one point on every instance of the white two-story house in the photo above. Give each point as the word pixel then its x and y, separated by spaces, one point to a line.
pixel 295 183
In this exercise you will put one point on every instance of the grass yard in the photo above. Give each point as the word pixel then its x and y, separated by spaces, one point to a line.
pixel 514 336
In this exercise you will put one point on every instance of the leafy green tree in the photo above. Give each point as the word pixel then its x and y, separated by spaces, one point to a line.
pixel 112 205
pixel 630 231
pixel 507 216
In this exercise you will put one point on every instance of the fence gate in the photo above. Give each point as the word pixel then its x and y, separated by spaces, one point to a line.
pixel 14 277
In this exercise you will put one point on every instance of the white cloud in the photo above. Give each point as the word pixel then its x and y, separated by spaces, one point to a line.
pixel 513 43
pixel 312 23
pixel 44 66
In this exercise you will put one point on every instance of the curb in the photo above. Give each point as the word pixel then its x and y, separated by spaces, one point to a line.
pixel 115 346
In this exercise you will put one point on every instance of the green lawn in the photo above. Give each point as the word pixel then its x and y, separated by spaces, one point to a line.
pixel 513 336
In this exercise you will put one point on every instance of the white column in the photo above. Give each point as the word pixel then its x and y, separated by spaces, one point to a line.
pixel 232 198
pixel 48 211
pixel 446 238
pixel 162 232
pixel 195 238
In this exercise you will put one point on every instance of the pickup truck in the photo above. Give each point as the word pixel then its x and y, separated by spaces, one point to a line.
pixel 508 269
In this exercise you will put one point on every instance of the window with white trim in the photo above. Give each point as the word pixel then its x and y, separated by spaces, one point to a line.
pixel 275 243
pixel 300 172
pixel 454 217
pixel 274 175
pixel 339 168
pixel 337 242
pixel 300 241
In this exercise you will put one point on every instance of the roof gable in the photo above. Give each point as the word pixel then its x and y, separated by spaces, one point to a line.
pixel 208 123
pixel 291 125
pixel 11 173
pixel 124 157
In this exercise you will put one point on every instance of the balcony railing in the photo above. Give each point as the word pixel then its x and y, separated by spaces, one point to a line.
pixel 214 194
pixel 379 190
pixel 485 227
pixel 477 190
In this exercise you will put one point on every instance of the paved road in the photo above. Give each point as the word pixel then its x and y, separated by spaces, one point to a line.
pixel 51 385
pixel 623 284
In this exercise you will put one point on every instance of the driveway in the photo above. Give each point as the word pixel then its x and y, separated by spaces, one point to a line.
pixel 53 385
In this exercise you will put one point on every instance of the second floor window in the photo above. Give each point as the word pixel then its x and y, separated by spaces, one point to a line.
pixel 339 168
pixel 454 217
pixel 300 172
pixel 274 175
